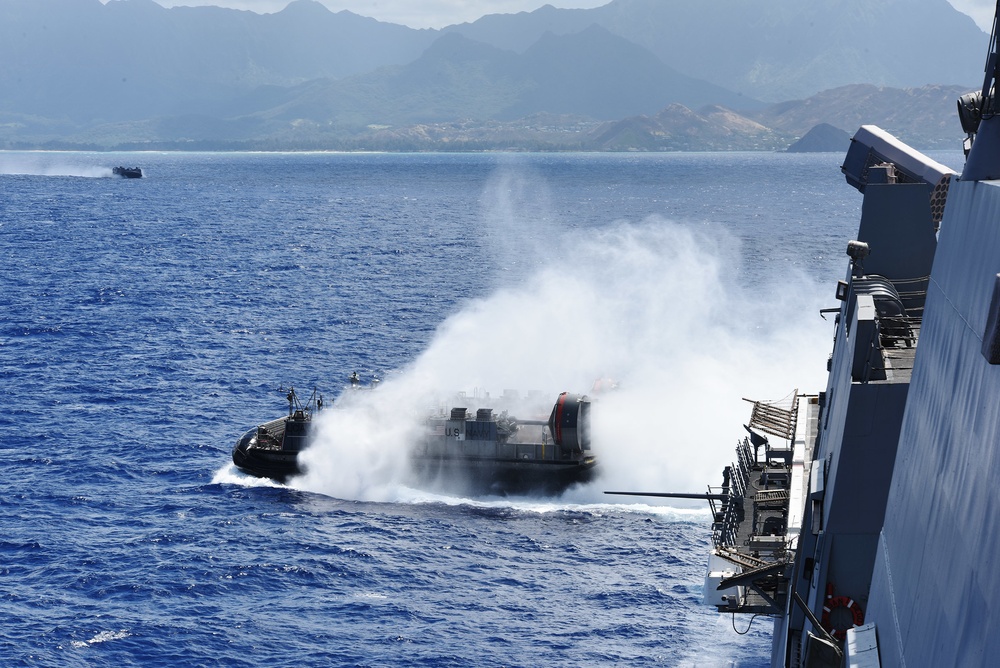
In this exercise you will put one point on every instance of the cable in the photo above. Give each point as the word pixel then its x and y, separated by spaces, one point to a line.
pixel 748 625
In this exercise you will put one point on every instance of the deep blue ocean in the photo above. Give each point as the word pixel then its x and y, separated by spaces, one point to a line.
pixel 145 324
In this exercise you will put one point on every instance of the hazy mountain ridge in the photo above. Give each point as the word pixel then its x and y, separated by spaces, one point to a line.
pixel 774 49
pixel 924 116
pixel 927 120
pixel 592 73
pixel 131 73
pixel 604 76
pixel 678 128
pixel 135 59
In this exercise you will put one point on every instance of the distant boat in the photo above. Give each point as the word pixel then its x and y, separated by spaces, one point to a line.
pixel 128 172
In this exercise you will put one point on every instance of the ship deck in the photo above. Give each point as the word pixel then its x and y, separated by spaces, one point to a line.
pixel 759 508
pixel 898 357
pixel 757 524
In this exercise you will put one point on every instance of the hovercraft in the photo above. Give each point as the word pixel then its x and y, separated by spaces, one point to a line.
pixel 127 172
pixel 461 452
pixel 502 454
pixel 271 449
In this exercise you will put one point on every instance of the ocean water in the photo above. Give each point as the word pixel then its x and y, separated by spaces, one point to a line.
pixel 144 324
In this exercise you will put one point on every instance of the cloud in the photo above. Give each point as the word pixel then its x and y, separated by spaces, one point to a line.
pixel 427 14
pixel 441 13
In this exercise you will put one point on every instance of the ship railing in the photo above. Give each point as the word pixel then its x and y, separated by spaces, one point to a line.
pixel 897 347
pixel 727 516
pixel 746 457
pixel 741 480
pixel 295 404
pixel 718 509
pixel 730 513
pixel 738 490
pixel 912 293
pixel 891 335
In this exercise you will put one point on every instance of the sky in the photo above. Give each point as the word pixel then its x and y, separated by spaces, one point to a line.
pixel 980 10
pixel 440 13
pixel 413 13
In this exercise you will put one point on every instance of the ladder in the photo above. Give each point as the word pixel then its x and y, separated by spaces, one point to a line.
pixel 771 418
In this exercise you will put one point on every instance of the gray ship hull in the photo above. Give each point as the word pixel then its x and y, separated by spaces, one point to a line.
pixel 933 578
pixel 882 505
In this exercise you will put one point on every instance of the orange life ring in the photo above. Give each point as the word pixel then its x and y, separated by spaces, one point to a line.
pixel 834 602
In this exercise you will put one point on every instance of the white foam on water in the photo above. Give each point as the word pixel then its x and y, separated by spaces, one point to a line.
pixel 657 306
pixel 42 164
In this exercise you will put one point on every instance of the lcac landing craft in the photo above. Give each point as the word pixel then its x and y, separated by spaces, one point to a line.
pixel 461 452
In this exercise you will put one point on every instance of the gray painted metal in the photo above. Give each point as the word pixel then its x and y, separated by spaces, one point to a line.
pixel 933 582
pixel 899 510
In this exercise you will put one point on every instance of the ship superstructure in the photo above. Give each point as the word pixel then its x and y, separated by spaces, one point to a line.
pixel 866 530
